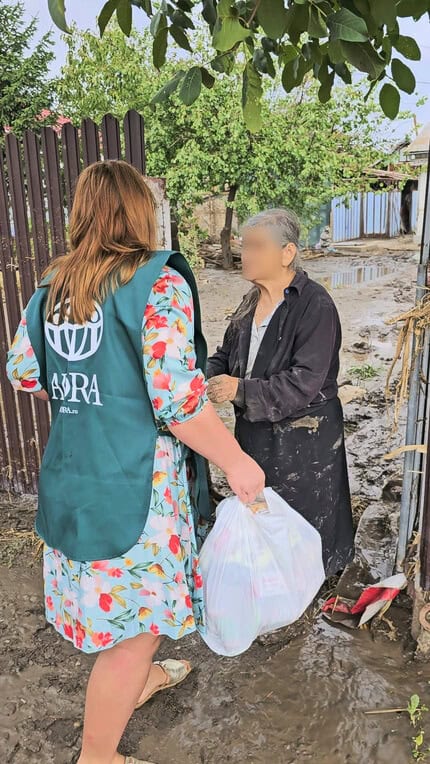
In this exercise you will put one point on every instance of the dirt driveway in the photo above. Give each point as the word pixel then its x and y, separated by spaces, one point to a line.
pixel 295 697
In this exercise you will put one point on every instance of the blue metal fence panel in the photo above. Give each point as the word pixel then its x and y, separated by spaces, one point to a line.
pixel 367 214
pixel 346 217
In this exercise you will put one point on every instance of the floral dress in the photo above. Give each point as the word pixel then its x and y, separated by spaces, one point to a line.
pixel 156 587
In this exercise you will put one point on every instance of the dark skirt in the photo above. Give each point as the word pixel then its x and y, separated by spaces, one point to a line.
pixel 305 462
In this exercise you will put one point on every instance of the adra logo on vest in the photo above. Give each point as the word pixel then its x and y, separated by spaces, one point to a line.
pixel 75 342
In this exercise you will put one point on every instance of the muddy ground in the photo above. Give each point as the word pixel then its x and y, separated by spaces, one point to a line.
pixel 296 697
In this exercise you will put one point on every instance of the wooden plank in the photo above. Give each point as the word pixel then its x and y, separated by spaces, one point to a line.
pixel 111 138
pixel 90 142
pixel 55 191
pixel 28 451
pixel 134 134
pixel 71 160
pixel 36 201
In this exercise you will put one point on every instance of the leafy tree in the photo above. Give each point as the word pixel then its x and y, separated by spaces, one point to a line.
pixel 305 152
pixel 25 89
pixel 323 39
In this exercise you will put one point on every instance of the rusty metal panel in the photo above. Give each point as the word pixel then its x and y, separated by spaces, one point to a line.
pixel 71 160
pixel 20 217
pixel 36 200
pixel 36 194
pixel 90 142
pixel 111 138
pixel 134 133
pixel 55 191
pixel 24 260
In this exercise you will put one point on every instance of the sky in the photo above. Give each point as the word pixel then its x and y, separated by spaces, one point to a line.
pixel 84 13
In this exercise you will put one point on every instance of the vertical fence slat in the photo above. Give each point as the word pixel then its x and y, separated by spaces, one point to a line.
pixel 36 201
pixel 20 216
pixel 134 134
pixel 37 183
pixel 90 141
pixel 54 190
pixel 71 160
pixel 7 260
pixel 111 138
pixel 24 260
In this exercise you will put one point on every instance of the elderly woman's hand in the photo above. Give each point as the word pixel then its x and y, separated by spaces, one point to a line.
pixel 222 388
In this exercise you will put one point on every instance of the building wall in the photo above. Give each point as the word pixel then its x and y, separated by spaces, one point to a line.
pixel 211 213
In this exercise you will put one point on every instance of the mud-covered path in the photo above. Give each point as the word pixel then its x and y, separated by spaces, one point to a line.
pixel 298 696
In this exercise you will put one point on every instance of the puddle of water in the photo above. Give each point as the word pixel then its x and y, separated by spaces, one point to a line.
pixel 361 274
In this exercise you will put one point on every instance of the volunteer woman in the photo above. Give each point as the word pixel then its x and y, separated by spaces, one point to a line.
pixel 278 364
pixel 112 338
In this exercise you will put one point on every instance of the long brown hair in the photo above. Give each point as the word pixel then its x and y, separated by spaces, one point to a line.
pixel 112 231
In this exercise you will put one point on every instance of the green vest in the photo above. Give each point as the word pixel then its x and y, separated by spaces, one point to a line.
pixel 95 482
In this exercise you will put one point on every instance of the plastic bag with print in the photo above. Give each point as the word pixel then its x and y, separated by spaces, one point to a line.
pixel 261 570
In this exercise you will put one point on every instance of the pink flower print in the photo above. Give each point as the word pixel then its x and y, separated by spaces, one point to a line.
pixel 153 590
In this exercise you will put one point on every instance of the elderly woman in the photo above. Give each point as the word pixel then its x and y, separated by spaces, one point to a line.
pixel 278 365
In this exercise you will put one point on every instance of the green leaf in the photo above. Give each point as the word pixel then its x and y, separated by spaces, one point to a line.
pixel 252 92
pixel 166 91
pixel 57 10
pixel 324 92
pixel 223 63
pixel 317 26
pixel 159 48
pixel 335 51
pixel 106 14
pixel 180 38
pixel 293 73
pixel 124 16
pixel 180 19
pixel 288 53
pixel 191 86
pixel 384 12
pixel 389 98
pixel 297 22
pixel 414 8
pixel 407 47
pixel 263 62
pixel 272 16
pixel 207 78
pixel 343 72
pixel 364 57
pixel 345 25
pixel 403 76
pixel 209 12
pixel 159 21
pixel 228 31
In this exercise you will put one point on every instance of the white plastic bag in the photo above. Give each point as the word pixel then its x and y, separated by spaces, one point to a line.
pixel 260 571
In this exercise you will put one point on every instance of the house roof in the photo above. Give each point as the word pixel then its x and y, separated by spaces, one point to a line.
pixel 386 174
pixel 420 144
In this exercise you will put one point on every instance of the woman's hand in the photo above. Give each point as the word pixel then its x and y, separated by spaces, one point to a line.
pixel 222 388
pixel 246 479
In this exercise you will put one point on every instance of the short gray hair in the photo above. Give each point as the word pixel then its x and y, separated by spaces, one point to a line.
pixel 285 228
pixel 283 225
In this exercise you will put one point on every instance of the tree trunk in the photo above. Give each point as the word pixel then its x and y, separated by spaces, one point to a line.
pixel 227 255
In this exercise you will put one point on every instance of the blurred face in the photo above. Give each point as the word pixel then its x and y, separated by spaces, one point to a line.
pixel 263 258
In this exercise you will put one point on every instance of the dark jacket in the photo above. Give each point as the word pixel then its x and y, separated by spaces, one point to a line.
pixel 288 415
pixel 298 361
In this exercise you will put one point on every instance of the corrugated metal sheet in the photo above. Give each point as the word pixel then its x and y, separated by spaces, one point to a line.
pixel 346 218
pixel 367 214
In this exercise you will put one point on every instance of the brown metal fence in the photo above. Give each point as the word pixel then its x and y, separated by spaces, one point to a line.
pixel 38 174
